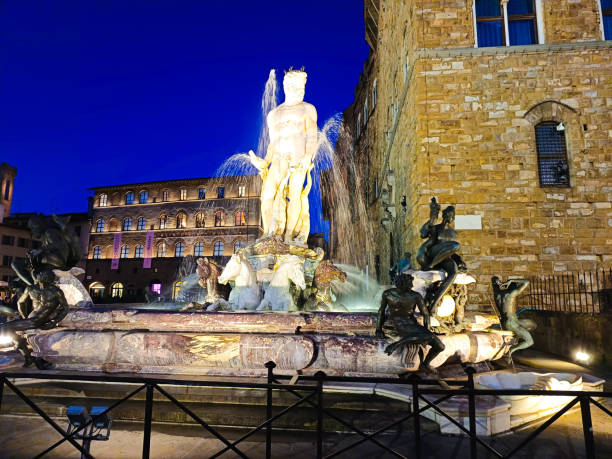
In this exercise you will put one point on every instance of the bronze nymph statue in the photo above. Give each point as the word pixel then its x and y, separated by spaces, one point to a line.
pixel 440 249
pixel 399 304
pixel 505 294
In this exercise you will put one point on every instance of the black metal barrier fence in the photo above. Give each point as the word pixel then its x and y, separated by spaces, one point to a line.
pixel 313 387
pixel 587 292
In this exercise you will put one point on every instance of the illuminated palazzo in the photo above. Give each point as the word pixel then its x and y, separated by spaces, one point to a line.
pixel 161 223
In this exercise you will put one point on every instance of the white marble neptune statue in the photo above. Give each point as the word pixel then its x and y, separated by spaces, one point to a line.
pixel 288 161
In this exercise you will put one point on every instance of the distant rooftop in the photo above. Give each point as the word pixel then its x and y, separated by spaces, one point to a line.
pixel 189 180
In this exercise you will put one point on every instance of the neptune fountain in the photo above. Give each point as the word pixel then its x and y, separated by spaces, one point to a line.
pixel 284 304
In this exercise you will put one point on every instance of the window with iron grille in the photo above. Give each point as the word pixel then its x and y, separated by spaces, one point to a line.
pixel 552 154
pixel 138 251
pixel 218 249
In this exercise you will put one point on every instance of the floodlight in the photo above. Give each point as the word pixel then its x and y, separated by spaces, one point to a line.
pixel 582 356
pixel 77 416
pixel 100 421
pixel 5 340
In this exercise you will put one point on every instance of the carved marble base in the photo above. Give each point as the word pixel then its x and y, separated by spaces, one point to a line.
pixel 231 343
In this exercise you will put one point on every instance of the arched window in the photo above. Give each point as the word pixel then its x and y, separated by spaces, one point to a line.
pixel 163 221
pixel 117 290
pixel 97 252
pixel 221 192
pixel 218 249
pixel 181 220
pixel 198 249
pixel 179 249
pixel 161 250
pixel 142 224
pixel 240 219
pixel 200 220
pixel 100 226
pixel 238 245
pixel 552 154
pixel 138 251
pixel 125 251
pixel 129 197
pixel 176 289
pixel 219 218
pixel 96 290
pixel 165 195
pixel 143 198
pixel 102 200
pixel 202 193
pixel 127 224
pixel 183 194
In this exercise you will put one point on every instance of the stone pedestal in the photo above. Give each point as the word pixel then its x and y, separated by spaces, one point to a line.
pixel 238 343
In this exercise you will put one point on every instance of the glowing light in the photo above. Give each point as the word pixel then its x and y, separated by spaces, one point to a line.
pixel 582 356
pixel 5 339
pixel 447 306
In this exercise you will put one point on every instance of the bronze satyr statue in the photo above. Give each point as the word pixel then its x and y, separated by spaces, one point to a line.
pixel 320 298
pixel 505 294
pixel 399 304
pixel 208 272
pixel 440 249
pixel 42 305
pixel 59 249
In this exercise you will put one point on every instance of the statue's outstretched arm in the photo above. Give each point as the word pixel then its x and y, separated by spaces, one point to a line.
pixel 424 311
pixel 22 303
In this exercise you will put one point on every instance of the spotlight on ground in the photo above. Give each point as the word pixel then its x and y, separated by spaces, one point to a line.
pixel 101 421
pixel 582 356
pixel 77 417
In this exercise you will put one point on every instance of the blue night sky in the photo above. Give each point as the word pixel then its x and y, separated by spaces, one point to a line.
pixel 108 92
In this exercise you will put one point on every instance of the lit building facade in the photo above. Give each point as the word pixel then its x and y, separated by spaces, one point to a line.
pixel 500 108
pixel 211 217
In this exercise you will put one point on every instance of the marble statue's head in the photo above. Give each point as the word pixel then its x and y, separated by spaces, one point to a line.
pixel 294 85
pixel 404 282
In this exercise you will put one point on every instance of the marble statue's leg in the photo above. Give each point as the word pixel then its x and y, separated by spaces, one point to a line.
pixel 294 206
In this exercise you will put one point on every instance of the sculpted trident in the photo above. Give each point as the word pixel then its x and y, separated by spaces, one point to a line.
pixel 293 145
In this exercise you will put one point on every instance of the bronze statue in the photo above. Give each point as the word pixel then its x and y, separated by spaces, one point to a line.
pixel 42 305
pixel 320 298
pixel 208 272
pixel 399 304
pixel 440 249
pixel 402 265
pixel 59 249
pixel 505 294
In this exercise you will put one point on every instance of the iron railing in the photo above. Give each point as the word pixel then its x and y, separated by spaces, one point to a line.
pixel 313 388
pixel 584 292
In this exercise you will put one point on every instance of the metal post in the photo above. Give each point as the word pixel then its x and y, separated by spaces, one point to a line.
pixel 1 390
pixel 472 411
pixel 146 441
pixel 416 419
pixel 587 427
pixel 320 377
pixel 270 366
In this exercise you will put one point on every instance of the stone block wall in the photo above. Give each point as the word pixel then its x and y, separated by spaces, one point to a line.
pixel 460 126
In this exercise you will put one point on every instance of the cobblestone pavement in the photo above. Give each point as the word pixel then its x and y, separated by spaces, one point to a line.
pixel 24 437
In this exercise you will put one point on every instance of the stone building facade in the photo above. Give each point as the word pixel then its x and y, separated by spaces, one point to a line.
pixel 210 217
pixel 506 116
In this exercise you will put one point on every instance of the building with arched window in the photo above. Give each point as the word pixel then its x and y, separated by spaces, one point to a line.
pixel 506 117
pixel 176 219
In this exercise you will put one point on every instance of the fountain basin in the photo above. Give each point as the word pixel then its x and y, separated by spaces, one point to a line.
pixel 526 408
pixel 239 343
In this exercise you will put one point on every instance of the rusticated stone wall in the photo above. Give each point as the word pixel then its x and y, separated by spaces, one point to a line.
pixel 457 122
